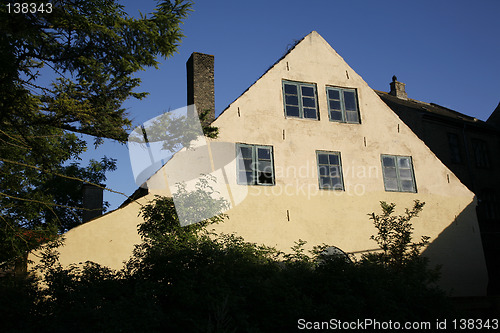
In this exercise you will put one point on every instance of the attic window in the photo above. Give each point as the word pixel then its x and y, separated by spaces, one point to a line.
pixel 343 105
pixel 300 100
pixel 398 173
pixel 254 164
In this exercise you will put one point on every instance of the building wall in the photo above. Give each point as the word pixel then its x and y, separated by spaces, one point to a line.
pixel 484 181
pixel 340 219
pixel 295 208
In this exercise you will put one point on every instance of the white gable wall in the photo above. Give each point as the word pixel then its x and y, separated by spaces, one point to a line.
pixel 295 208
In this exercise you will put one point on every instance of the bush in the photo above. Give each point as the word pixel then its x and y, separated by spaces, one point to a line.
pixel 187 279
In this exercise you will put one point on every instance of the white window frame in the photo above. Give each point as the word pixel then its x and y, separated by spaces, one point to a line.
pixel 254 165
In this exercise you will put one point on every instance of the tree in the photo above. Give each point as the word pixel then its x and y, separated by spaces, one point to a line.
pixel 394 235
pixel 66 69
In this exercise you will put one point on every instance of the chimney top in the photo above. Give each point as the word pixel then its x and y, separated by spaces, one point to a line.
pixel 398 88
pixel 200 84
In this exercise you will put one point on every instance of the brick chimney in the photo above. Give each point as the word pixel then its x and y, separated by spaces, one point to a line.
pixel 92 200
pixel 398 88
pixel 200 83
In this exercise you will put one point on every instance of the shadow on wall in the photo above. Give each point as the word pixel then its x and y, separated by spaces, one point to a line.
pixel 459 249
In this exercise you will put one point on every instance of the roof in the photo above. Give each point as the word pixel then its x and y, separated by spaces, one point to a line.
pixel 430 109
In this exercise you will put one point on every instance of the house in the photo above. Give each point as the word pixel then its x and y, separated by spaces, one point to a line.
pixel 308 151
pixel 467 146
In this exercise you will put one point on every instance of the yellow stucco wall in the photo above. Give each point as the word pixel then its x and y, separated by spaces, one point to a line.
pixel 294 208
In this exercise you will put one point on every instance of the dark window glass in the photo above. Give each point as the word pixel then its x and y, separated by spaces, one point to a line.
pixel 350 101
pixel 481 156
pixel 307 91
pixel 292 111
pixel 454 144
pixel 290 89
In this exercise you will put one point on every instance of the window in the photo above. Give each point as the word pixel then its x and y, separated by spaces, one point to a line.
pixel 398 173
pixel 255 164
pixel 454 144
pixel 480 153
pixel 488 204
pixel 300 100
pixel 343 105
pixel 329 170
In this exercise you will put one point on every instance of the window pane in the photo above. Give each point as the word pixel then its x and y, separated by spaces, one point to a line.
pixel 310 113
pixel 407 186
pixel 404 162
pixel 265 166
pixel 290 89
pixel 264 153
pixel 334 171
pixel 307 91
pixel 325 182
pixel 247 164
pixel 352 116
pixel 336 115
pixel 333 94
pixel 454 148
pixel 334 105
pixel 388 161
pixel 292 100
pixel 405 174
pixel 265 178
pixel 337 183
pixel 246 152
pixel 292 111
pixel 323 170
pixel 391 184
pixel 322 158
pixel 333 159
pixel 390 173
pixel 350 100
pixel 245 177
pixel 309 102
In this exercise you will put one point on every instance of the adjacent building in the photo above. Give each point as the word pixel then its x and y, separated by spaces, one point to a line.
pixel 467 146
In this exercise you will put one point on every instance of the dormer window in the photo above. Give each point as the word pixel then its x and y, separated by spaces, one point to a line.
pixel 300 100
pixel 343 105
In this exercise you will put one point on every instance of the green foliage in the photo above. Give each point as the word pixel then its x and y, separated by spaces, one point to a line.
pixel 174 131
pixel 394 235
pixel 63 73
pixel 190 279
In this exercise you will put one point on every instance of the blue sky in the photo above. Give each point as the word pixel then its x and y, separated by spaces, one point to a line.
pixel 447 52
